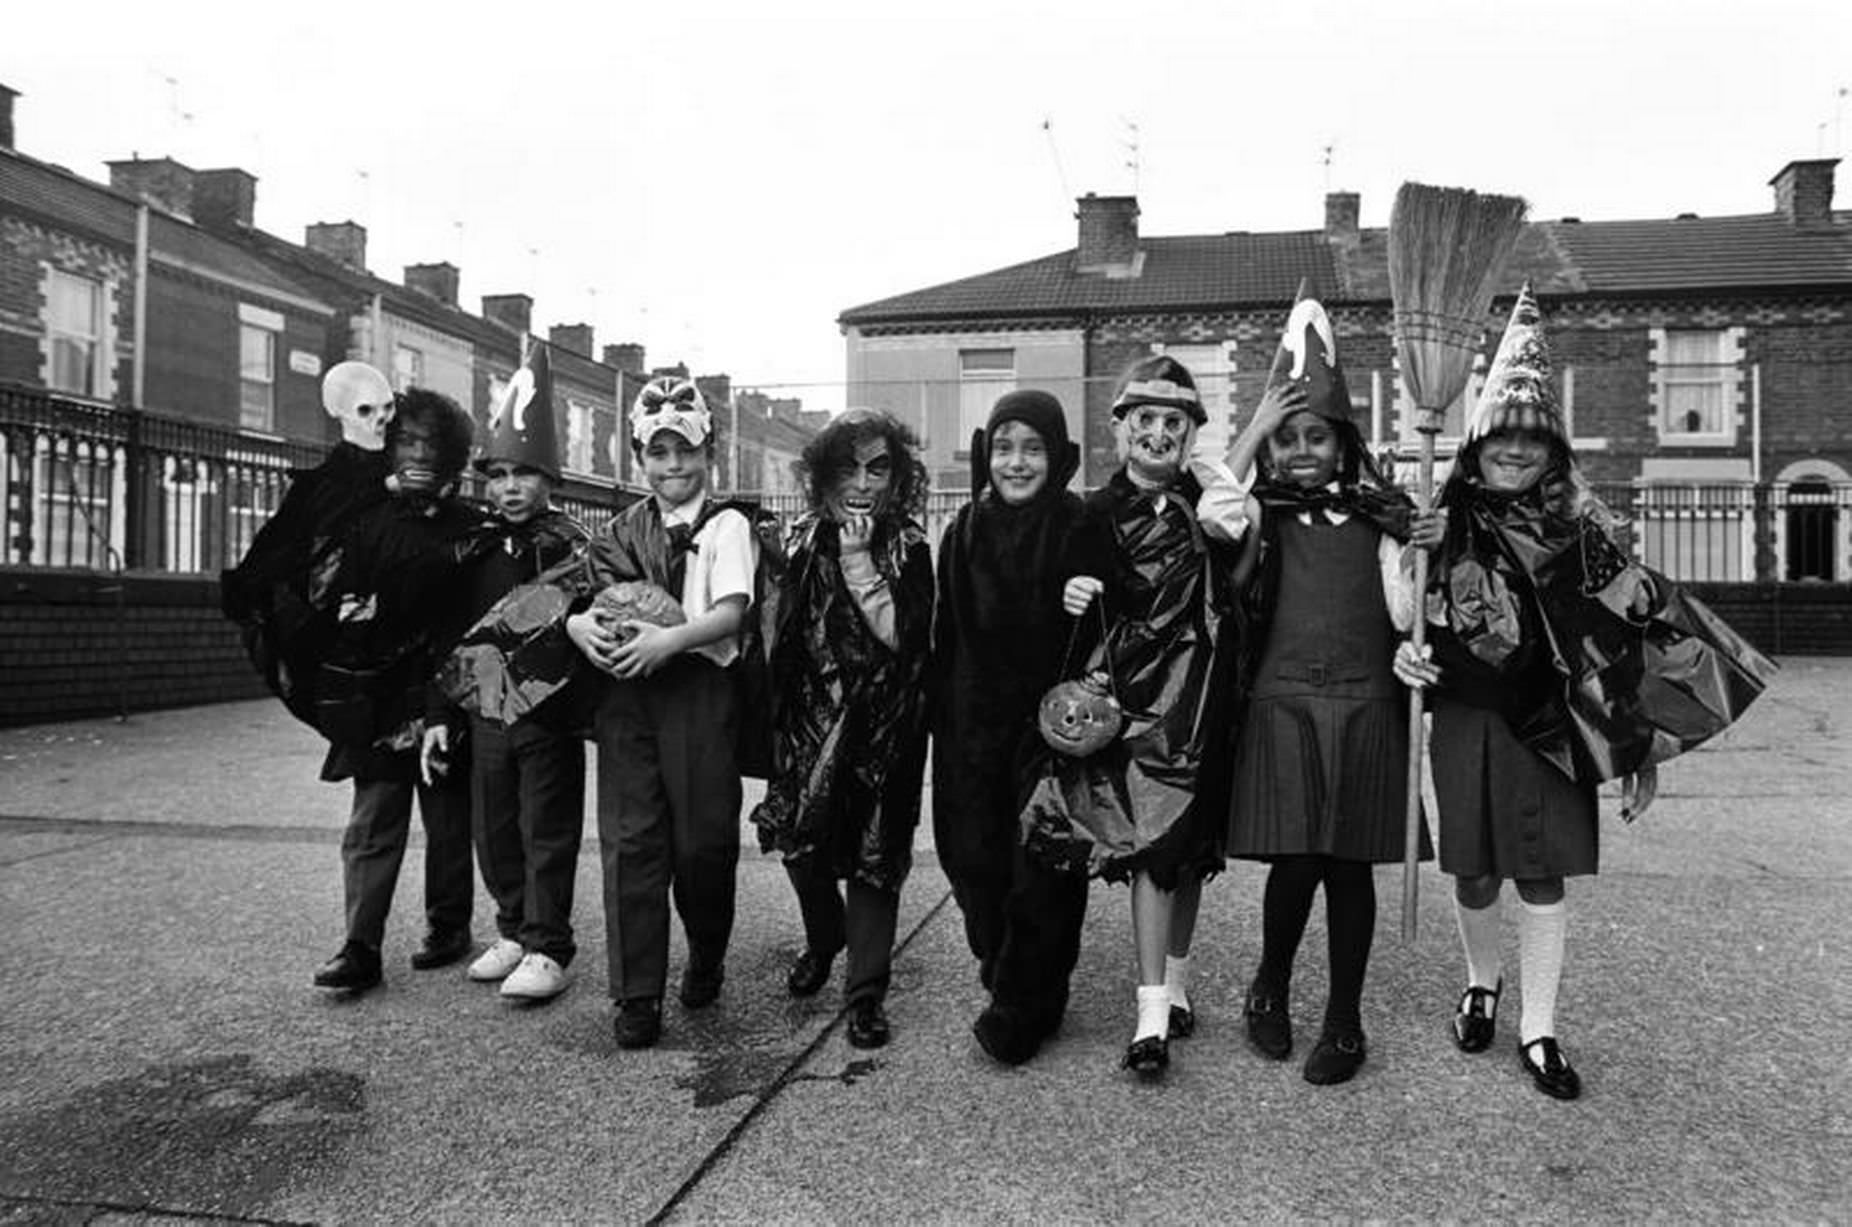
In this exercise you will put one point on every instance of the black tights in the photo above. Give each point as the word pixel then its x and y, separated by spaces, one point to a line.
pixel 1350 922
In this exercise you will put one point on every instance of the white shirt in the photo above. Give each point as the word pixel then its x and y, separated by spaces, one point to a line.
pixel 725 557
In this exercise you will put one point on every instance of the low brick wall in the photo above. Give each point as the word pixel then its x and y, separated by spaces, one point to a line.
pixel 1785 619
pixel 80 643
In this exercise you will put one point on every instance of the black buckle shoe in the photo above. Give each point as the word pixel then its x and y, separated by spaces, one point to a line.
pixel 1270 1027
pixel 868 1024
pixel 441 948
pixel 1148 1057
pixel 638 1023
pixel 1006 1037
pixel 809 974
pixel 355 969
pixel 1336 1058
pixel 1182 1023
pixel 1476 1021
pixel 701 984
pixel 1554 1077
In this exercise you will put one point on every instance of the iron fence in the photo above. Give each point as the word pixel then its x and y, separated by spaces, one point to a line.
pixel 99 487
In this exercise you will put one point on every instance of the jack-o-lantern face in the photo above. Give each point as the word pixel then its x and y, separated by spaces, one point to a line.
pixel 1079 716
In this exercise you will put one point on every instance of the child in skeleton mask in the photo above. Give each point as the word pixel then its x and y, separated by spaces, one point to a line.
pixel 1152 547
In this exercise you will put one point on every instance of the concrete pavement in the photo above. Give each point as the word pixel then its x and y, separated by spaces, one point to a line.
pixel 167 886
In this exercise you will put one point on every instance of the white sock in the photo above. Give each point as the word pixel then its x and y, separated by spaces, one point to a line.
pixel 1153 1012
pixel 1177 980
pixel 1542 928
pixel 1479 938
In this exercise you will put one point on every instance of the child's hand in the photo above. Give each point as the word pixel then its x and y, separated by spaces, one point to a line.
pixel 856 534
pixel 1279 403
pixel 648 649
pixel 592 637
pixel 1079 593
pixel 432 764
pixel 1428 528
pixel 1413 668
pixel 1637 792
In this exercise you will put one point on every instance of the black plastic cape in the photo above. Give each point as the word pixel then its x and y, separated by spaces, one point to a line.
pixel 1639 670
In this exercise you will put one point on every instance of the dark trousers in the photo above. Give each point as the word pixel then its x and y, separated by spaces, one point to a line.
pixel 527 801
pixel 864 924
pixel 374 846
pixel 1023 922
pixel 668 819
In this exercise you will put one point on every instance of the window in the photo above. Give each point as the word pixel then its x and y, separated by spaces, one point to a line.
pixel 407 367
pixel 1696 378
pixel 983 376
pixel 74 333
pixel 579 432
pixel 256 377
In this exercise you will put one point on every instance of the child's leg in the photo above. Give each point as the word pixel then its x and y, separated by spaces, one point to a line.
pixel 371 850
pixel 1041 943
pixel 871 916
pixel 496 821
pixel 696 711
pixel 1285 907
pixel 1542 932
pixel 819 904
pixel 552 769
pixel 1186 900
pixel 1151 912
pixel 1475 906
pixel 1350 918
pixel 449 858
pixel 633 839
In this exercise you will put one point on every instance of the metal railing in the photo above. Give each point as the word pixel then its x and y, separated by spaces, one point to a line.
pixel 103 488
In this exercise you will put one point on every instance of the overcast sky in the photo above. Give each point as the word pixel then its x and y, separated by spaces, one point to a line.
pixel 720 180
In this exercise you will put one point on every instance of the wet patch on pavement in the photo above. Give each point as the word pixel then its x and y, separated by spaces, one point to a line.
pixel 722 1074
pixel 218 1136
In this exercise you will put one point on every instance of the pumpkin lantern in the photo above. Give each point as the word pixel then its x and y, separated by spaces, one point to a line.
pixel 1080 715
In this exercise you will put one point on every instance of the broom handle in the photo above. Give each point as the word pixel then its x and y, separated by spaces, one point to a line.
pixel 1411 828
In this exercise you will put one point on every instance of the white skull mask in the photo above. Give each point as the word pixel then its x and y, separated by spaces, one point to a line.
pixel 358 397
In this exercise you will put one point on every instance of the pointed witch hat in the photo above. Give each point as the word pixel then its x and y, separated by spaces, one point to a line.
pixel 1518 394
pixel 1308 356
pixel 521 426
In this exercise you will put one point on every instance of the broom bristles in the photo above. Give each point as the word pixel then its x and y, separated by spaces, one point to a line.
pixel 1446 248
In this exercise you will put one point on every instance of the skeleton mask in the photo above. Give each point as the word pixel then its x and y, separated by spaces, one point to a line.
pixel 358 397
pixel 668 403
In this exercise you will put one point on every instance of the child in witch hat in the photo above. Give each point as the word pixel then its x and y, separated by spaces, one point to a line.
pixel 1323 744
pixel 669 790
pixel 997 644
pixel 1543 665
pixel 1153 548
pixel 527 778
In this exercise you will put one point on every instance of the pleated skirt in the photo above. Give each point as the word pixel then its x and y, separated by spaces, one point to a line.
pixel 1503 810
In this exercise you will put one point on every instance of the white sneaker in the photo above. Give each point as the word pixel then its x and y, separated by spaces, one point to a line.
pixel 497 961
pixel 536 979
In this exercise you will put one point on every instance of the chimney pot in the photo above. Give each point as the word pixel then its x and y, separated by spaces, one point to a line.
pixel 160 181
pixel 574 337
pixel 437 280
pixel 7 95
pixel 344 242
pixel 225 198
pixel 1341 213
pixel 625 356
pixel 1804 193
pixel 1108 233
pixel 515 312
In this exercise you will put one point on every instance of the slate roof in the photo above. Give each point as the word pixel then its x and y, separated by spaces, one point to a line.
pixel 1208 272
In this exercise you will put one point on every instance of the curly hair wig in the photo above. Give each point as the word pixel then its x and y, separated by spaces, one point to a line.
pixel 832 453
pixel 449 428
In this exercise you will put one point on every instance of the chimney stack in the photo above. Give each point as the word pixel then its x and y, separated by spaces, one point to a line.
pixel 576 338
pixel 437 280
pixel 515 312
pixel 627 356
pixel 160 181
pixel 225 199
pixel 343 242
pixel 1804 193
pixel 1341 212
pixel 1108 233
pixel 7 94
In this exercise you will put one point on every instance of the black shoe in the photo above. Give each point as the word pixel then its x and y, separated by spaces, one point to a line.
pixel 1007 1038
pixel 1182 1023
pixel 1149 1056
pixel 638 1023
pixel 1476 1021
pixel 1554 1077
pixel 1336 1058
pixel 355 969
pixel 441 948
pixel 809 974
pixel 701 983
pixel 868 1024
pixel 1270 1027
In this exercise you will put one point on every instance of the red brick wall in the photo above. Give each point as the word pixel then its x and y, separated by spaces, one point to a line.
pixel 25 246
pixel 68 650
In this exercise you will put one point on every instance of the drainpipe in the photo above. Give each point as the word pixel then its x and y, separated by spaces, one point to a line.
pixel 139 387
pixel 377 342
pixel 1755 423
